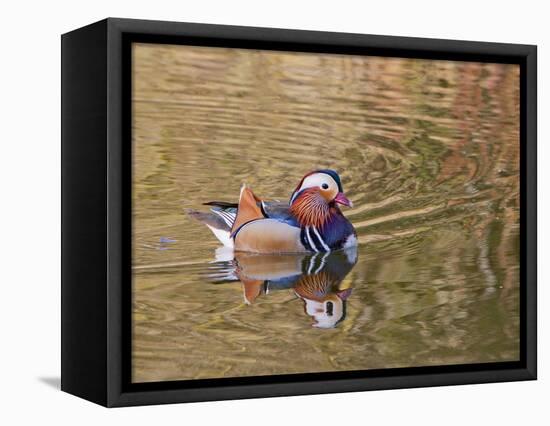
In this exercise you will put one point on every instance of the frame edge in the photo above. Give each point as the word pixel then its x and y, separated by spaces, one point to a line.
pixel 83 187
pixel 117 396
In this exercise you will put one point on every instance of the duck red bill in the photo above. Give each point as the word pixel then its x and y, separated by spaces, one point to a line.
pixel 344 294
pixel 342 199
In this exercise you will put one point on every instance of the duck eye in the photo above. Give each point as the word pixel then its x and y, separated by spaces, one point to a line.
pixel 330 308
pixel 324 186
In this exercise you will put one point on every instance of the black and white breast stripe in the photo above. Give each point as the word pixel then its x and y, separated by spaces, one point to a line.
pixel 312 240
pixel 316 263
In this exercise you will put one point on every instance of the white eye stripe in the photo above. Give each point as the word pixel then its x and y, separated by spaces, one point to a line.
pixel 318 179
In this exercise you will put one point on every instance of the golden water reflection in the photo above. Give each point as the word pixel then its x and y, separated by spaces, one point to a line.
pixel 428 152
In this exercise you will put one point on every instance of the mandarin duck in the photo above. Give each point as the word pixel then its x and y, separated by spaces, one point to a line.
pixel 316 279
pixel 310 222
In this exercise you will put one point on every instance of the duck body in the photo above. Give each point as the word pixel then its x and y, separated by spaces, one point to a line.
pixel 310 222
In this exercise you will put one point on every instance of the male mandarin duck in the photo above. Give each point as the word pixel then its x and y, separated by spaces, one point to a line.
pixel 310 222
pixel 315 278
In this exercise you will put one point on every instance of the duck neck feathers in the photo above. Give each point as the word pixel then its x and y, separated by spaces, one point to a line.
pixel 310 209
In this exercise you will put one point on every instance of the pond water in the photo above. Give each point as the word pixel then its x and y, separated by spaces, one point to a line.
pixel 428 151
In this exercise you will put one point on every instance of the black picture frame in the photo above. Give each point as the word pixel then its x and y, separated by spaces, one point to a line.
pixel 96 208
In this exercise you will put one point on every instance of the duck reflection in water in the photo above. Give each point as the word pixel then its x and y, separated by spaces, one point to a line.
pixel 316 279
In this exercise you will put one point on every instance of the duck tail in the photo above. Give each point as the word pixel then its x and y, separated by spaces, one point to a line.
pixel 221 204
pixel 217 223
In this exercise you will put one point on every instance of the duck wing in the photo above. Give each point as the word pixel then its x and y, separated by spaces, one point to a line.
pixel 275 209
pixel 271 209
pixel 280 211
pixel 227 212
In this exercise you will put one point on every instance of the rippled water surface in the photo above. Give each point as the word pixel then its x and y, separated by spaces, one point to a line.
pixel 428 152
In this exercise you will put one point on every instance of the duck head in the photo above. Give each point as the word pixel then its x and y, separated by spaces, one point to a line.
pixel 324 299
pixel 316 195
pixel 327 313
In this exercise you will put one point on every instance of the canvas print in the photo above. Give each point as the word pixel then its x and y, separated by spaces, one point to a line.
pixel 300 212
